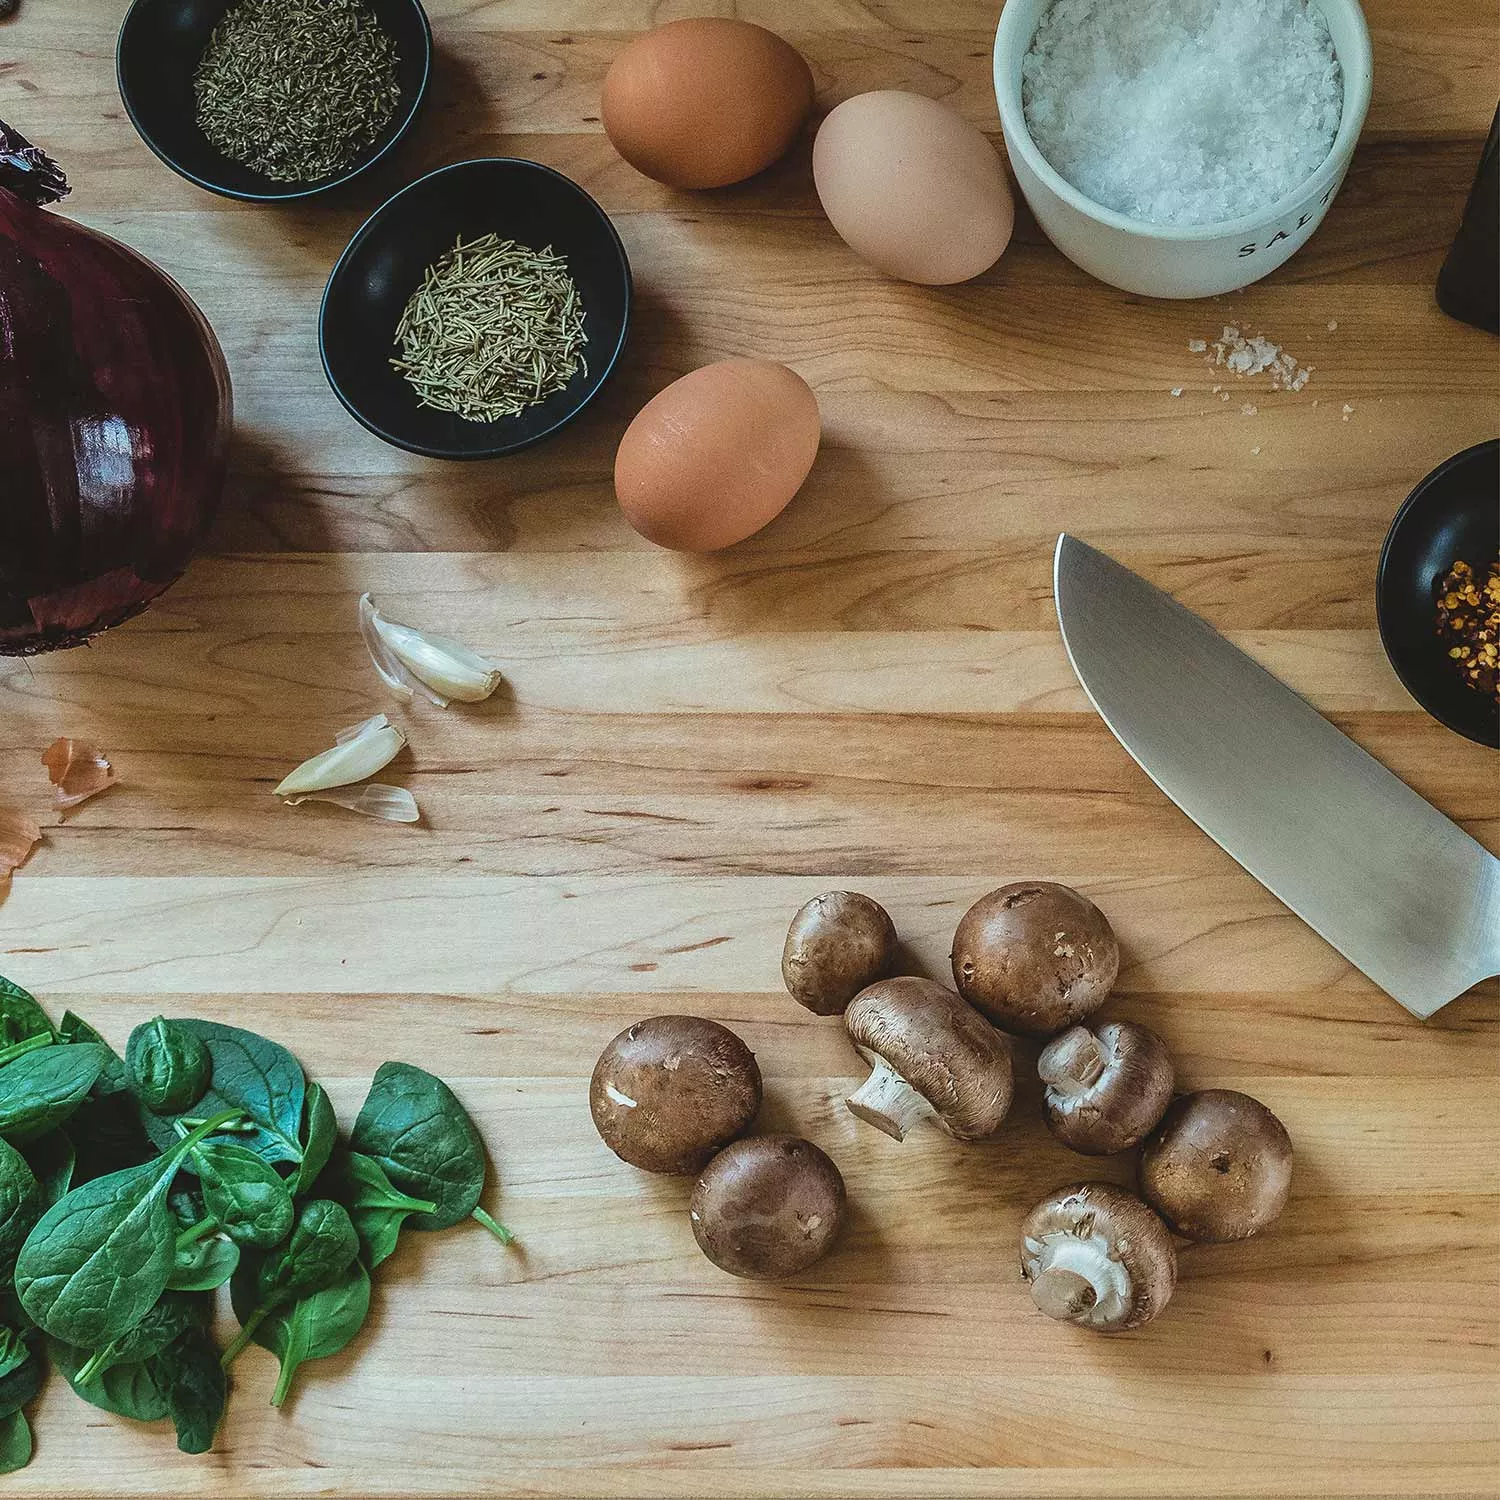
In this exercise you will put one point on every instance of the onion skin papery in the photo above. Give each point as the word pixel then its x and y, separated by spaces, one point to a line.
pixel 115 418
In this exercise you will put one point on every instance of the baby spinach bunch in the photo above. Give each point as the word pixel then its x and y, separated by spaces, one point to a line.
pixel 132 1188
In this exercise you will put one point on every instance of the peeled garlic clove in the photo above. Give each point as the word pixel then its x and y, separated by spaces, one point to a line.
pixel 365 726
pixel 441 668
pixel 390 804
pixel 369 751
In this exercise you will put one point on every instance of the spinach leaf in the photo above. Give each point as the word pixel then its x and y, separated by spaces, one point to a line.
pixel 168 1066
pixel 169 1318
pixel 253 1076
pixel 376 1206
pixel 313 1327
pixel 413 1125
pixel 243 1194
pixel 319 1250
pixel 191 1378
pixel 203 1264
pixel 51 1158
pixel 112 1078
pixel 21 1383
pixel 20 1015
pixel 132 1390
pixel 14 1350
pixel 101 1256
pixel 21 1048
pixel 320 1129
pixel 20 1205
pixel 42 1088
pixel 15 1442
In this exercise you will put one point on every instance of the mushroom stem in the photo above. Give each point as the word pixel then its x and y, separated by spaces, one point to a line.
pixel 1073 1063
pixel 1063 1294
pixel 888 1102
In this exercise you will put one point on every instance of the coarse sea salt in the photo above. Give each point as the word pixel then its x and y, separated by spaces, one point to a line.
pixel 1183 111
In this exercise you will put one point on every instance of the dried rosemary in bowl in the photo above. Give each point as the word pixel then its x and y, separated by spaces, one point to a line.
pixel 494 328
pixel 296 89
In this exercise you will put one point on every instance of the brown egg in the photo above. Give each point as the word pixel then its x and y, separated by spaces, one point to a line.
pixel 912 187
pixel 717 455
pixel 705 102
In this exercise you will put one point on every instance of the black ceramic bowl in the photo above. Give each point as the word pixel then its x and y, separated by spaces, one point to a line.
pixel 1454 514
pixel 161 42
pixel 384 264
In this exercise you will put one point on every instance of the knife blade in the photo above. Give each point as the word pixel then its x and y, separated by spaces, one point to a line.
pixel 1403 893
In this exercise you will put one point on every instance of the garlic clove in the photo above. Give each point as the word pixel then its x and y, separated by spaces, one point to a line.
pixel 365 726
pixel 371 749
pixel 77 770
pixel 390 804
pixel 407 658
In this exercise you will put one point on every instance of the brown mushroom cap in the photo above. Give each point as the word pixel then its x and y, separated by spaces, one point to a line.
pixel 1035 956
pixel 932 1055
pixel 1106 1087
pixel 838 943
pixel 767 1206
pixel 1218 1167
pixel 670 1091
pixel 1094 1254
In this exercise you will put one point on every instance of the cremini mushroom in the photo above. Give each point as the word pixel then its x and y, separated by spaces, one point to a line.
pixel 838 943
pixel 1097 1256
pixel 931 1057
pixel 767 1206
pixel 1106 1087
pixel 1218 1166
pixel 1035 956
pixel 670 1091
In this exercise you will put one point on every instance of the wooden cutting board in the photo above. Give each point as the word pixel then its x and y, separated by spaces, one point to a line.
pixel 870 694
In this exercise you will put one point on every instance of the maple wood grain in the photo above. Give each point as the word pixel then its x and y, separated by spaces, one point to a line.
pixel 869 694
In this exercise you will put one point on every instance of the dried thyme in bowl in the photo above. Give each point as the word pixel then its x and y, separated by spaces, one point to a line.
pixel 495 327
pixel 296 89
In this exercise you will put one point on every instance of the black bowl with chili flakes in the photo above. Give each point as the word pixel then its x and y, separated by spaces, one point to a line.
pixel 1437 624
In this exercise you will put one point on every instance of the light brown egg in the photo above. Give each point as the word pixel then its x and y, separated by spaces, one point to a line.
pixel 913 188
pixel 717 455
pixel 705 102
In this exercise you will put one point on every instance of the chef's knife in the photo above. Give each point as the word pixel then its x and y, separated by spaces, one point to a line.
pixel 1403 893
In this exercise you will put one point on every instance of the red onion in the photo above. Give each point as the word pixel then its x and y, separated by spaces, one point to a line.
pixel 114 419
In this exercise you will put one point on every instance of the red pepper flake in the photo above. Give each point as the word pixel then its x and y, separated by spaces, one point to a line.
pixel 1468 621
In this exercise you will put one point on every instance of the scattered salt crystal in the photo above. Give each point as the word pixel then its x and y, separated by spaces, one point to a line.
pixel 1254 452
pixel 1257 356
pixel 1348 411
pixel 1176 390
pixel 1183 111
pixel 1333 325
pixel 1197 346
pixel 1249 409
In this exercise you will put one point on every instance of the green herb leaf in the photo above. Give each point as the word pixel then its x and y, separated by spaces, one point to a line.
pixel 20 1015
pixel 21 1383
pixel 42 1088
pixel 203 1265
pixel 168 1065
pixel 15 1442
pixel 20 1205
pixel 313 1327
pixel 413 1126
pixel 191 1378
pixel 319 1250
pixel 132 1390
pixel 320 1129
pixel 100 1257
pixel 14 1350
pixel 377 1207
pixel 169 1318
pixel 243 1194
pixel 112 1078
pixel 252 1076
pixel 107 1136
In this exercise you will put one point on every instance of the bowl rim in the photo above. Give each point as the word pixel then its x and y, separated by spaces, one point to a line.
pixel 371 225
pixel 1383 622
pixel 293 193
pixel 1012 39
